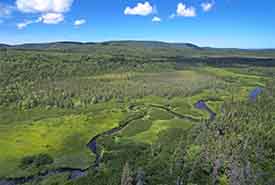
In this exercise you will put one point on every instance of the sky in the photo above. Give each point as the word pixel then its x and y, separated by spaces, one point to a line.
pixel 214 23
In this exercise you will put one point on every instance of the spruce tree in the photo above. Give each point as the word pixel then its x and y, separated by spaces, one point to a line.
pixel 126 178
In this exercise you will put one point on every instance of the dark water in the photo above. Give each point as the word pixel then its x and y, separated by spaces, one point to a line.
pixel 77 174
pixel 254 94
pixel 202 105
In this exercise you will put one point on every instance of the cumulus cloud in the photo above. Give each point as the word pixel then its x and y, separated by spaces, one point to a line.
pixel 5 10
pixel 52 18
pixel 44 6
pixel 52 11
pixel 183 10
pixel 156 19
pixel 207 6
pixel 140 9
pixel 79 22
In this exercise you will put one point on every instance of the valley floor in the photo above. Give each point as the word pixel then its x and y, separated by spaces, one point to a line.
pixel 64 133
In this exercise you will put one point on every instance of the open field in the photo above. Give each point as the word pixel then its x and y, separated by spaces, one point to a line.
pixel 63 137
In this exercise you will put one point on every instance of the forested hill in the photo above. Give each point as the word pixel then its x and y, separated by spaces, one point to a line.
pixel 129 43
pixel 142 47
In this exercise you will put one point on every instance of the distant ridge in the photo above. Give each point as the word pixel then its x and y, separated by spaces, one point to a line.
pixel 136 48
pixel 152 44
pixel 51 45
pixel 131 43
pixel 4 45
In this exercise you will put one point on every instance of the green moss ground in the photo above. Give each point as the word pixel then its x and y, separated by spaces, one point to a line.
pixel 151 135
pixel 64 138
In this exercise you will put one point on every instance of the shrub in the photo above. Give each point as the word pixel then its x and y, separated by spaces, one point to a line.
pixel 43 159
pixel 27 161
pixel 36 161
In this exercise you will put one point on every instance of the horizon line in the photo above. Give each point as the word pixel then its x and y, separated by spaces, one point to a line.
pixel 128 40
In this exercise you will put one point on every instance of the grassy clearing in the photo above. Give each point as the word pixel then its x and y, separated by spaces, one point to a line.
pixel 63 137
pixel 185 106
pixel 136 127
pixel 151 135
pixel 223 72
pixel 158 114
pixel 235 77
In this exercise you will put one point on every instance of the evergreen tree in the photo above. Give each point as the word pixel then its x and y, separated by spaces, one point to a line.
pixel 126 178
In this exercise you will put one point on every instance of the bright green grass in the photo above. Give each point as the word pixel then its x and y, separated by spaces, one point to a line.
pixel 223 72
pixel 64 138
pixel 185 106
pixel 51 180
pixel 136 127
pixel 143 125
pixel 159 114
pixel 8 116
pixel 151 135
pixel 238 78
pixel 152 100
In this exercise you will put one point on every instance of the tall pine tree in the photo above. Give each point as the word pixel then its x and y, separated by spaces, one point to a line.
pixel 126 178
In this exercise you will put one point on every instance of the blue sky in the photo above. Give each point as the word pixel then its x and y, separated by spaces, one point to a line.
pixel 216 23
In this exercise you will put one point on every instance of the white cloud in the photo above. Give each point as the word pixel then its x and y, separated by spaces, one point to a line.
pixel 52 11
pixel 44 6
pixel 207 6
pixel 52 18
pixel 5 10
pixel 183 10
pixel 140 9
pixel 172 16
pixel 48 18
pixel 27 22
pixel 23 24
pixel 156 19
pixel 79 22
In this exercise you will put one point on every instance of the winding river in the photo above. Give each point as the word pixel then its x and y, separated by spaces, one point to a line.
pixel 75 173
